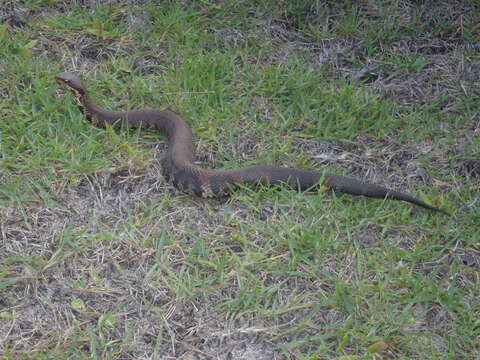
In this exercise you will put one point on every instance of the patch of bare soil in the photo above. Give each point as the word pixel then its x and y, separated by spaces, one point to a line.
pixel 61 253
pixel 108 277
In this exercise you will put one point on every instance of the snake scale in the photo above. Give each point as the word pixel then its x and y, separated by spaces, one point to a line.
pixel 179 168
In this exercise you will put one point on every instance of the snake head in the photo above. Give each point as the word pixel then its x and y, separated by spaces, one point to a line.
pixel 71 82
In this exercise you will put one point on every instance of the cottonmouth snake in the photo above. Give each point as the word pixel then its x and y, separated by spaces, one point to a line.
pixel 178 166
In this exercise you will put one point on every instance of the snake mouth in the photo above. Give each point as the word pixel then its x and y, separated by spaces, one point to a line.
pixel 69 85
pixel 61 82
pixel 60 91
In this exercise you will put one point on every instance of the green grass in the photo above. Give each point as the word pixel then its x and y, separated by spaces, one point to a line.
pixel 107 261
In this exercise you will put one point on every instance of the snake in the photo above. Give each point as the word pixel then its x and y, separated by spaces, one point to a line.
pixel 178 165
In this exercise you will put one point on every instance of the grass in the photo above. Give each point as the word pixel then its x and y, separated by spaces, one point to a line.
pixel 101 258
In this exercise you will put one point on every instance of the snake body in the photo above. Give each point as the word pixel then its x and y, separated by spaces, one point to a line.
pixel 179 168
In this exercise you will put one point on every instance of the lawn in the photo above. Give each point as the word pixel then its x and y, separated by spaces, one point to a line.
pixel 101 258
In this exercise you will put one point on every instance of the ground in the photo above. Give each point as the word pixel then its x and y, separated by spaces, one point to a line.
pixel 101 258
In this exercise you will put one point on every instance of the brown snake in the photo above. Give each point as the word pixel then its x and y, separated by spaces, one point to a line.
pixel 178 165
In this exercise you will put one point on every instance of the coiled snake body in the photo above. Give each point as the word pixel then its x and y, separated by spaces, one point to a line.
pixel 178 166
